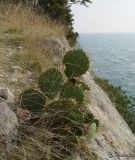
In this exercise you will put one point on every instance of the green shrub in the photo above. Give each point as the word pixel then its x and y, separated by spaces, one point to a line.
pixel 33 100
pixel 76 62
pixel 51 82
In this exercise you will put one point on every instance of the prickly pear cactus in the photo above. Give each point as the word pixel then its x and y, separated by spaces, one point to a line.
pixel 76 62
pixel 68 109
pixel 92 131
pixel 97 122
pixel 83 86
pixel 32 100
pixel 73 92
pixel 67 114
pixel 89 117
pixel 51 82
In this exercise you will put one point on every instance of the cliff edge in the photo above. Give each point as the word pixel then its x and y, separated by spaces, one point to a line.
pixel 18 53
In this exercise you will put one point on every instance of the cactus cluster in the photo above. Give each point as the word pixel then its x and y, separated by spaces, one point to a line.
pixel 68 107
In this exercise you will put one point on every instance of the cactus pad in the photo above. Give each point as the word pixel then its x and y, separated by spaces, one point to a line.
pixel 33 100
pixel 51 82
pixel 76 62
pixel 91 131
pixel 73 92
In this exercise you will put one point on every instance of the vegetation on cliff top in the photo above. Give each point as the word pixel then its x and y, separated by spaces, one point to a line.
pixel 58 11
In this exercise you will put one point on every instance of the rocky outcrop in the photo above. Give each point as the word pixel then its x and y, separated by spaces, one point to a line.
pixel 114 136
pixel 8 121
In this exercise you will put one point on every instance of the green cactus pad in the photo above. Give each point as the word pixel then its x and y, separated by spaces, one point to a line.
pixel 33 100
pixel 76 62
pixel 73 92
pixel 83 86
pixel 51 82
pixel 92 131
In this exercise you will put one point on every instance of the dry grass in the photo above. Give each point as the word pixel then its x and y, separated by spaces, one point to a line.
pixel 21 19
pixel 22 30
pixel 21 26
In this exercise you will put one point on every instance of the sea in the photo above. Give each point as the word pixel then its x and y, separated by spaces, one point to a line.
pixel 113 57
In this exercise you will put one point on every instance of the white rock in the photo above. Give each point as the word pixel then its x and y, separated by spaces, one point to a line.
pixel 8 123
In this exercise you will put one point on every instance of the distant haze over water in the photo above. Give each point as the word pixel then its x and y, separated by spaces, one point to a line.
pixel 113 57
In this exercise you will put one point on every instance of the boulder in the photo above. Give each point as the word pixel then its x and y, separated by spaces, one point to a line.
pixel 8 121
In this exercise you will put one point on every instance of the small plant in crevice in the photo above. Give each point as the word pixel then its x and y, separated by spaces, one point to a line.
pixel 63 104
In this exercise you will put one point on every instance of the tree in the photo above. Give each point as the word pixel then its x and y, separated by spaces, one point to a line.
pixel 60 10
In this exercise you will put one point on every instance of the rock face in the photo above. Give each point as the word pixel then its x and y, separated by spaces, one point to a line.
pixel 114 134
pixel 8 120
pixel 58 47
pixel 8 123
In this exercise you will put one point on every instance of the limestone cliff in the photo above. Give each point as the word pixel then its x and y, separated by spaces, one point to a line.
pixel 113 134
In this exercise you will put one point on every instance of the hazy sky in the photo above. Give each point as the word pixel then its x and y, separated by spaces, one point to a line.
pixel 105 16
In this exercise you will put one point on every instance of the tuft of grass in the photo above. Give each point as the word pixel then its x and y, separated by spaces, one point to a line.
pixel 18 18
pixel 26 28
pixel 13 31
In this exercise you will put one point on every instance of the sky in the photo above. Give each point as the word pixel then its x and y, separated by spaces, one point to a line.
pixel 105 16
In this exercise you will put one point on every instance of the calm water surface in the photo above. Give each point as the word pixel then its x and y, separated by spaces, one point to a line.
pixel 113 57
